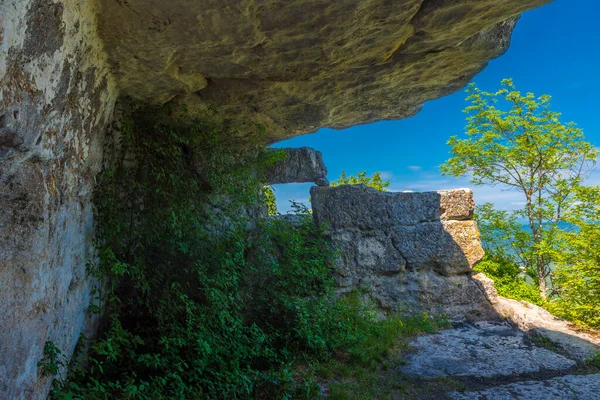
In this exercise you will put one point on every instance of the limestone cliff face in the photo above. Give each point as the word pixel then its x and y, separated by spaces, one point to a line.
pixel 293 66
pixel 296 66
pixel 56 96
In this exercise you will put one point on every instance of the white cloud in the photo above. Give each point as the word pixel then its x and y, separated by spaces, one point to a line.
pixel 415 168
pixel 427 181
pixel 386 175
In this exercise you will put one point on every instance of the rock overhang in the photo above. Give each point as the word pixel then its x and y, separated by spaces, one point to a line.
pixel 295 67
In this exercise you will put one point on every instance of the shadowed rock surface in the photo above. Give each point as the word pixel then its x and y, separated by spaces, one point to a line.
pixel 532 355
pixel 413 252
pixel 482 350
pixel 299 165
pixel 297 66
pixel 579 344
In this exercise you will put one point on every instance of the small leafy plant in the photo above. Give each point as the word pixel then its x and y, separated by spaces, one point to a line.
pixel 53 364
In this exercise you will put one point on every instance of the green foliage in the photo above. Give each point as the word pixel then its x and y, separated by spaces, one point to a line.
pixel 577 258
pixel 360 372
pixel 373 181
pixel 195 305
pixel 594 361
pixel 525 148
pixel 508 253
pixel 508 280
pixel 577 277
pixel 53 360
pixel 53 364
pixel 271 201
pixel 543 341
pixel 504 238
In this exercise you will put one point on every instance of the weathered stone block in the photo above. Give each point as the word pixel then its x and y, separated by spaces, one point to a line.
pixel 449 247
pixel 412 251
pixel 374 253
pixel 362 207
pixel 299 166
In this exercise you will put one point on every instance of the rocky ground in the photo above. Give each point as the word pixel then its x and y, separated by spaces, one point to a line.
pixel 526 354
pixel 497 361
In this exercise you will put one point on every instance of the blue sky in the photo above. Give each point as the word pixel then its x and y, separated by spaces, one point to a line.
pixel 555 50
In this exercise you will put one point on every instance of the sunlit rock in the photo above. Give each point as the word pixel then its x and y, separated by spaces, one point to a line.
pixel 410 252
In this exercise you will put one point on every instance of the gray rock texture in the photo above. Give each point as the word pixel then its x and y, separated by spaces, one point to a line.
pixel 579 344
pixel 569 387
pixel 501 361
pixel 414 252
pixel 56 97
pixel 296 66
pixel 482 350
pixel 299 165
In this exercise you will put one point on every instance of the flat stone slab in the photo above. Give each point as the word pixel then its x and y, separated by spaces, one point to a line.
pixel 483 350
pixel 568 387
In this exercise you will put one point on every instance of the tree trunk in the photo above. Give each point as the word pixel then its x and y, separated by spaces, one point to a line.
pixel 541 276
pixel 537 239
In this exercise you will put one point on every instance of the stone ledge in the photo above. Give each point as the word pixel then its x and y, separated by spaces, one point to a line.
pixel 300 165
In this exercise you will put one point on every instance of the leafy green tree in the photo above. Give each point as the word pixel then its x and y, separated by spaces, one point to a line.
pixel 577 262
pixel 373 181
pixel 508 253
pixel 524 148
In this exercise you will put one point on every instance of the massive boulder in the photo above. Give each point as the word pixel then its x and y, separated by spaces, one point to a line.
pixel 410 252
pixel 296 66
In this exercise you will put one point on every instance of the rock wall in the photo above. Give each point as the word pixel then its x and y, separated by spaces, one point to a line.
pixel 56 97
pixel 411 252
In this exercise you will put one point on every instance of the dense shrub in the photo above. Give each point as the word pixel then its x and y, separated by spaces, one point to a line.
pixel 197 301
pixel 577 276
pixel 508 279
